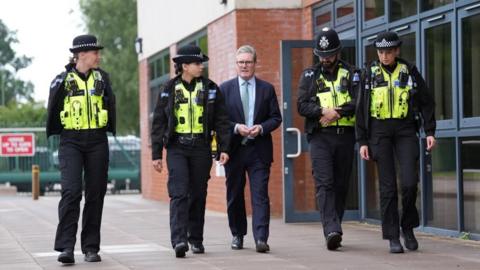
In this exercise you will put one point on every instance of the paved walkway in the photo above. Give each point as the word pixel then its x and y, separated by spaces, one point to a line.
pixel 135 235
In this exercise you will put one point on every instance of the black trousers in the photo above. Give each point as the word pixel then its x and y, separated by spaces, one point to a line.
pixel 389 139
pixel 188 174
pixel 332 160
pixel 83 158
pixel 246 160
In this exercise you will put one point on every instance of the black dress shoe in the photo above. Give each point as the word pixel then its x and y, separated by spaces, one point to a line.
pixel 198 248
pixel 91 256
pixel 262 246
pixel 66 256
pixel 395 246
pixel 410 241
pixel 334 240
pixel 180 249
pixel 237 242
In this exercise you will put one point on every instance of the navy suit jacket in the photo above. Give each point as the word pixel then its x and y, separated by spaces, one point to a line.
pixel 266 113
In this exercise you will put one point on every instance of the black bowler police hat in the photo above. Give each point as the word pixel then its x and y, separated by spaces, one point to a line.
pixel 387 40
pixel 327 43
pixel 189 54
pixel 85 43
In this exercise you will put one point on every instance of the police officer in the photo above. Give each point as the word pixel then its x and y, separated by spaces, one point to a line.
pixel 326 98
pixel 81 108
pixel 395 98
pixel 188 109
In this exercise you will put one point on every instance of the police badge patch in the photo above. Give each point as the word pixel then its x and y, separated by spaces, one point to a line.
pixel 323 43
pixel 309 73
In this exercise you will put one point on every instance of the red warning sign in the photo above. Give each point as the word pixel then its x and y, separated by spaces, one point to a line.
pixel 17 144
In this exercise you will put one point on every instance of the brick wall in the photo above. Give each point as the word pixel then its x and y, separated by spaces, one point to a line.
pixel 150 187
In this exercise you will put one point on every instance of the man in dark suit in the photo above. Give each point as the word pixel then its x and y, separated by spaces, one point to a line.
pixel 253 110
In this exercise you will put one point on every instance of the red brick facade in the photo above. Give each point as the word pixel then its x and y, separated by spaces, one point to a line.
pixel 263 29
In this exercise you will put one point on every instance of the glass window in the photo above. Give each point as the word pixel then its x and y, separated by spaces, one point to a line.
pixel 408 49
pixel 203 44
pixel 323 19
pixel 431 4
pixel 348 53
pixel 151 70
pixel 345 10
pixel 159 67
pixel 400 9
pixel 370 53
pixel 471 183
pixel 471 66
pixel 439 68
pixel 166 64
pixel 442 186
pixel 373 9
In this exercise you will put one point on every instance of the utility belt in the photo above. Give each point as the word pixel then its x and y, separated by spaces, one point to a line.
pixel 195 139
pixel 337 130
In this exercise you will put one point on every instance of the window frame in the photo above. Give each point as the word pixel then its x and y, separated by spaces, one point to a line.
pixel 429 23
pixel 465 122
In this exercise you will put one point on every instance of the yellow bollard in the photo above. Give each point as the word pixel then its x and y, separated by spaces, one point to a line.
pixel 35 181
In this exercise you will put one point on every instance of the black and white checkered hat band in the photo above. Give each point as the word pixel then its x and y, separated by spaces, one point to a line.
pixel 85 45
pixel 387 44
pixel 190 55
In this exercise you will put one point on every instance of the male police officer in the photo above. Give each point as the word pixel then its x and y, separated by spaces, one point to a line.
pixel 326 99
pixel 188 109
pixel 81 108
pixel 394 98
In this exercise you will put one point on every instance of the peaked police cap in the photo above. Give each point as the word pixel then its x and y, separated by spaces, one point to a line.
pixel 387 40
pixel 85 43
pixel 189 54
pixel 327 43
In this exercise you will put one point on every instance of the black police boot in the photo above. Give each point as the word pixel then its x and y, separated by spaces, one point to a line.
pixel 333 240
pixel 66 257
pixel 180 249
pixel 237 242
pixel 91 256
pixel 410 241
pixel 198 248
pixel 395 246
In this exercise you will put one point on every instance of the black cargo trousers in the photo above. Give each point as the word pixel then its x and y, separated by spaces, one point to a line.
pixel 392 138
pixel 188 173
pixel 83 159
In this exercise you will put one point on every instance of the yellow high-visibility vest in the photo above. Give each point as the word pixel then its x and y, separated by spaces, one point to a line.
pixel 335 94
pixel 390 92
pixel 189 108
pixel 83 104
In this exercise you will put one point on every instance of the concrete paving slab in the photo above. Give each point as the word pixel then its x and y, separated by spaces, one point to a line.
pixel 135 235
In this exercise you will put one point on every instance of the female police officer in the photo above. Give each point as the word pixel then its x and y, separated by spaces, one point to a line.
pixel 81 108
pixel 188 109
pixel 394 98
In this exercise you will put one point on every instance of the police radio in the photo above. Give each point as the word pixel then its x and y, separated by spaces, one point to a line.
pixel 343 85
pixel 322 87
pixel 378 79
pixel 200 98
pixel 402 79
